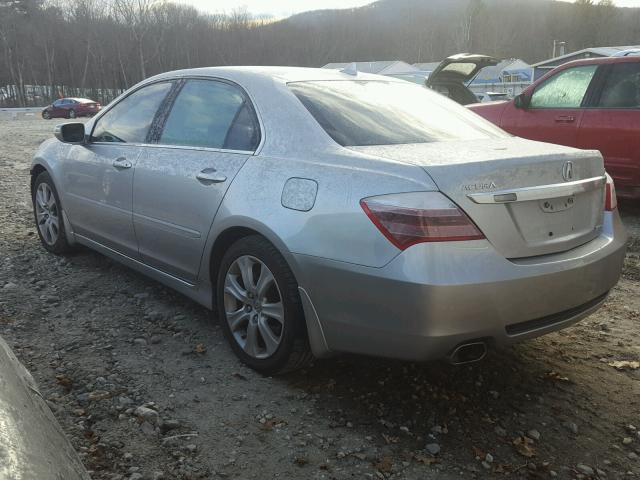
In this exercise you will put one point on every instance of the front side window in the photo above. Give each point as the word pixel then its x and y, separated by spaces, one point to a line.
pixel 212 114
pixel 565 89
pixel 130 119
pixel 622 87
pixel 360 113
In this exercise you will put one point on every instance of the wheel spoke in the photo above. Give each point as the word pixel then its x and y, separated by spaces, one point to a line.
pixel 251 342
pixel 273 310
pixel 264 282
pixel 237 318
pixel 271 341
pixel 233 288
pixel 40 200
pixel 51 200
pixel 245 264
pixel 50 229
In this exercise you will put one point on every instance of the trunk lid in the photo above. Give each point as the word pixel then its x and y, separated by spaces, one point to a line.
pixel 528 198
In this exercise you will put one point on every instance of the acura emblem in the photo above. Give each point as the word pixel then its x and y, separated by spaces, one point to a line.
pixel 567 171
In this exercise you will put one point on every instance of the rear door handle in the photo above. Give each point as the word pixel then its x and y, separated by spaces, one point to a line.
pixel 210 175
pixel 122 163
pixel 565 119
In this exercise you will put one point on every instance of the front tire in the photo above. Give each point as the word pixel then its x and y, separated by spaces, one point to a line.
pixel 259 308
pixel 47 212
pixel 46 115
pixel 72 113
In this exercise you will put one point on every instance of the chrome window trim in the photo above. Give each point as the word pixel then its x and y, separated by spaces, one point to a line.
pixel 541 192
pixel 176 147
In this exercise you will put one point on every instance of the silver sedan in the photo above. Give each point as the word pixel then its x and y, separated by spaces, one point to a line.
pixel 320 212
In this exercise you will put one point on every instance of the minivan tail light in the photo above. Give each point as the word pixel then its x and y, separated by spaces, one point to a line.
pixel 610 200
pixel 409 218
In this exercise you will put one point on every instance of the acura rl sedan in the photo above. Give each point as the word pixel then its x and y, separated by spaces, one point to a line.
pixel 320 212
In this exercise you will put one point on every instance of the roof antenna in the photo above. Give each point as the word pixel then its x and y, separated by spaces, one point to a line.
pixel 351 69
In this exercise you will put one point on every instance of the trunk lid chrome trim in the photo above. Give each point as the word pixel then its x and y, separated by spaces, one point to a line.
pixel 542 192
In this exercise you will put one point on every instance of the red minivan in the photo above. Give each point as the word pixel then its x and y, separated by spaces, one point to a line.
pixel 590 104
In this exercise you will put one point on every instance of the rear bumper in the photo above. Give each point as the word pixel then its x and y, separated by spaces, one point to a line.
pixel 434 297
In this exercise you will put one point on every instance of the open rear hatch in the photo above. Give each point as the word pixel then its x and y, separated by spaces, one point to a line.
pixel 528 198
pixel 463 68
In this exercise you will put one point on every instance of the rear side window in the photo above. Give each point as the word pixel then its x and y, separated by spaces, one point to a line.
pixel 130 119
pixel 622 87
pixel 212 114
pixel 566 89
pixel 360 113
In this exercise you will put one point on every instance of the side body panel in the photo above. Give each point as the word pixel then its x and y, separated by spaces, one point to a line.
pixel 173 210
pixel 615 133
pixel 98 195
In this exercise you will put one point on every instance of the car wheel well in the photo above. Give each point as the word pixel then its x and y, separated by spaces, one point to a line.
pixel 222 244
pixel 35 171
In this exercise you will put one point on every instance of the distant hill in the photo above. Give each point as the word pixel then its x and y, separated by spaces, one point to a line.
pixel 428 30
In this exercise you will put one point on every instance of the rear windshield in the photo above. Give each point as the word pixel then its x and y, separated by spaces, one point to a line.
pixel 359 113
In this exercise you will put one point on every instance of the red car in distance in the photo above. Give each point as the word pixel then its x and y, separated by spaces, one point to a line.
pixel 590 104
pixel 71 108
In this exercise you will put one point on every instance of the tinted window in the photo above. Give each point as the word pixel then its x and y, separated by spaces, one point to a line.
pixel 622 87
pixel 211 114
pixel 385 113
pixel 565 89
pixel 129 120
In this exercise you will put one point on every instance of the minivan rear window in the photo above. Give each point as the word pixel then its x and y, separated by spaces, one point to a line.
pixel 364 112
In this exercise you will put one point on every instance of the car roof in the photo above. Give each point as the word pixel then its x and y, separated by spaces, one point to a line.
pixel 279 74
pixel 77 99
pixel 600 60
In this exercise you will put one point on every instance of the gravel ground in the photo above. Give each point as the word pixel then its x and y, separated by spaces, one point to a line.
pixel 146 387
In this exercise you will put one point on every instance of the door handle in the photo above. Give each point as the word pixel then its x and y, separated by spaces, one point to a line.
pixel 122 163
pixel 565 119
pixel 210 175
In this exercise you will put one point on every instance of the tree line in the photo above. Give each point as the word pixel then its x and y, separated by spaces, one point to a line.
pixel 100 47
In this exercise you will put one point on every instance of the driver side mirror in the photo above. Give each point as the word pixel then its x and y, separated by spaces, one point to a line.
pixel 70 133
pixel 522 101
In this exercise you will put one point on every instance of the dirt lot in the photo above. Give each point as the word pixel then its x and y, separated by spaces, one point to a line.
pixel 102 341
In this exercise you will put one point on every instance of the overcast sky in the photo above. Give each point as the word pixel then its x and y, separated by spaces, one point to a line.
pixel 284 8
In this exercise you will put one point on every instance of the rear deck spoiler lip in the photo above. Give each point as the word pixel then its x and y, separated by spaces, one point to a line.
pixel 542 192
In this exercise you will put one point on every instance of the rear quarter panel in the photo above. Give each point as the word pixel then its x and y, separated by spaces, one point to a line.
pixel 335 227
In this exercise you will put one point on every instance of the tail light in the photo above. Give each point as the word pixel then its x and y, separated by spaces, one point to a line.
pixel 410 218
pixel 610 200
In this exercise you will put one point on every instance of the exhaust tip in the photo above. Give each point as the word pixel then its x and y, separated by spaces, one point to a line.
pixel 468 353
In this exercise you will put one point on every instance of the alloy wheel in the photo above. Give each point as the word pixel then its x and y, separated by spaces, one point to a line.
pixel 253 307
pixel 47 214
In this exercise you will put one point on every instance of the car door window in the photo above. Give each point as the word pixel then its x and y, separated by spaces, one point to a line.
pixel 130 119
pixel 566 89
pixel 622 87
pixel 209 113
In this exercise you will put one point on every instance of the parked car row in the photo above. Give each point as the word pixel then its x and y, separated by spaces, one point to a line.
pixel 71 108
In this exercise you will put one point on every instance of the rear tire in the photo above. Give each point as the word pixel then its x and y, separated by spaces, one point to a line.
pixel 72 113
pixel 259 308
pixel 47 212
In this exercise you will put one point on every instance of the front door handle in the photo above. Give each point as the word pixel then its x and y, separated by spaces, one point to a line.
pixel 210 175
pixel 565 119
pixel 122 163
